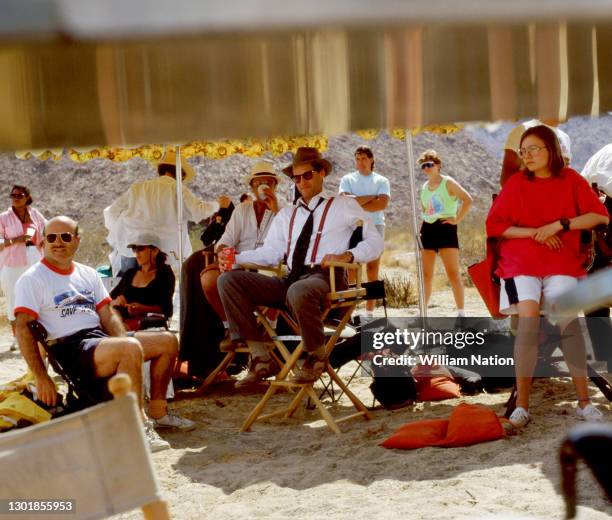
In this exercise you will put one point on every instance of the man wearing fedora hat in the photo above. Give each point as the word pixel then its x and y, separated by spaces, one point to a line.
pixel 309 234
pixel 150 206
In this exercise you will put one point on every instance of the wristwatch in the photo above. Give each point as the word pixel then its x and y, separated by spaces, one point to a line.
pixel 352 256
pixel 565 223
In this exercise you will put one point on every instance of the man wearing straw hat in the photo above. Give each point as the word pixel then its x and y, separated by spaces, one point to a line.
pixel 150 206
pixel 315 231
pixel 245 230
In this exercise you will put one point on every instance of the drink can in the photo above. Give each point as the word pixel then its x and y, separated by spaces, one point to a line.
pixel 261 191
pixel 230 256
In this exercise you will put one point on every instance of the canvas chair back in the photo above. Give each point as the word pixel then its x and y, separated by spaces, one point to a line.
pixel 97 459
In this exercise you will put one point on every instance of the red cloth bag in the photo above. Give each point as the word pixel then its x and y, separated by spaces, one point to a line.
pixel 483 277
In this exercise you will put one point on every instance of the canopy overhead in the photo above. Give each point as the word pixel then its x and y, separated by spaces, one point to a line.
pixel 105 72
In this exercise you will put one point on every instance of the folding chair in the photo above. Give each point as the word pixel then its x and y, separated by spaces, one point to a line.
pixel 345 302
pixel 92 464
pixel 277 270
pixel 78 396
pixel 350 348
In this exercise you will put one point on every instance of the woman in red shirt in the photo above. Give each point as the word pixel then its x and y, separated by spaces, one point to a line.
pixel 538 215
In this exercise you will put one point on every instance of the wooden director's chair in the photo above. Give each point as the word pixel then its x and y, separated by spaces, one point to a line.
pixel 283 353
pixel 344 301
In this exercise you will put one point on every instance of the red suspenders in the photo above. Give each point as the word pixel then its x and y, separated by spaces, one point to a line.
pixel 319 231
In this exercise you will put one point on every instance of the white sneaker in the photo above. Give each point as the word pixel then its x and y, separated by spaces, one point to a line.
pixel 156 443
pixel 589 413
pixel 174 422
pixel 520 417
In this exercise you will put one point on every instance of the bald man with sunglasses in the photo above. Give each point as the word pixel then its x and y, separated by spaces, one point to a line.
pixel 86 335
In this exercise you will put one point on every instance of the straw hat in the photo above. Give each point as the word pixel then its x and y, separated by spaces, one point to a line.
pixel 305 155
pixel 170 158
pixel 261 169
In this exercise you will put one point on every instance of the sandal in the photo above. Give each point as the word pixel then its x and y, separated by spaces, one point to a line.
pixel 311 370
pixel 259 369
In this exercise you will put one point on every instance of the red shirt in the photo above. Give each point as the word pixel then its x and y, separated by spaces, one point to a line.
pixel 535 202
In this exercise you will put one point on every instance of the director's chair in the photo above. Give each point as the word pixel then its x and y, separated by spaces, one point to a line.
pixel 283 353
pixel 343 302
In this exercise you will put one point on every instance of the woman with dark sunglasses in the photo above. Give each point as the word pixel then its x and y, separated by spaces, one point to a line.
pixel 444 204
pixel 147 288
pixel 21 235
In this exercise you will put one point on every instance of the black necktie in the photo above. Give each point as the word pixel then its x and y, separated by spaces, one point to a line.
pixel 301 245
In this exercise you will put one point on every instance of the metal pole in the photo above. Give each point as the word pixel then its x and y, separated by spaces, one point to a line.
pixel 180 223
pixel 179 205
pixel 414 207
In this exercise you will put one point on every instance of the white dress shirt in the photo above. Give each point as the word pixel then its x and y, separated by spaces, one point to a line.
pixel 344 215
pixel 242 231
pixel 150 206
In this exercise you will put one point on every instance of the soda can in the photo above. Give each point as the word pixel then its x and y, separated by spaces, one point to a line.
pixel 230 256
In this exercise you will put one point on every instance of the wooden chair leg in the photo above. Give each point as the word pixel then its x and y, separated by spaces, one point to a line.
pixel 323 410
pixel 156 511
pixel 354 399
pixel 296 402
pixel 229 357
pixel 258 409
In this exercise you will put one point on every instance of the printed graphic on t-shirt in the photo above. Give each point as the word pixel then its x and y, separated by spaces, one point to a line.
pixel 72 302
pixel 435 205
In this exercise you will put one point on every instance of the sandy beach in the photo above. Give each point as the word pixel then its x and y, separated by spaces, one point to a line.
pixel 297 468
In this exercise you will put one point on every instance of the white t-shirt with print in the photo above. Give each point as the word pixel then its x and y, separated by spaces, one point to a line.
pixel 63 302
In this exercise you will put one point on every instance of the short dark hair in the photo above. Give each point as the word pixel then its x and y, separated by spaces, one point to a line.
pixel 165 169
pixel 555 158
pixel 367 151
pixel 25 190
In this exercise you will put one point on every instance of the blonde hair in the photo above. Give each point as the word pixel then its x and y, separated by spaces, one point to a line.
pixel 430 155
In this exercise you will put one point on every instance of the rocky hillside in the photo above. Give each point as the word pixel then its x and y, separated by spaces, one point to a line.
pixel 472 156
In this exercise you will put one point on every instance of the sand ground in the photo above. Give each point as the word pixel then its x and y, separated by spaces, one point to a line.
pixel 297 468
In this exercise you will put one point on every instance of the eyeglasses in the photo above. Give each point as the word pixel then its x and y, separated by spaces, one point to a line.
pixel 306 176
pixel 18 195
pixel 429 164
pixel 64 237
pixel 138 249
pixel 530 150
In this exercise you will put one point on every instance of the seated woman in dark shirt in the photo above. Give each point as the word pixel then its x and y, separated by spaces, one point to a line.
pixel 147 288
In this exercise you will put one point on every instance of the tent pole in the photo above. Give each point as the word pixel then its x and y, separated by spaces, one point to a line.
pixel 414 206
pixel 179 216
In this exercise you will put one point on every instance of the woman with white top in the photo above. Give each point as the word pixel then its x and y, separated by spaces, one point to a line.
pixel 21 233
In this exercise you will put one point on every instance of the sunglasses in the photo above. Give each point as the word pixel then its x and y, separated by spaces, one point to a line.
pixel 429 164
pixel 64 237
pixel 139 249
pixel 306 176
pixel 18 195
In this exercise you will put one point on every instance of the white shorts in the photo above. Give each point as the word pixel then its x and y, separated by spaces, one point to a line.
pixel 521 288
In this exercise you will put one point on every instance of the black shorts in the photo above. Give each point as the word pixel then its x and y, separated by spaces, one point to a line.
pixel 75 355
pixel 437 236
